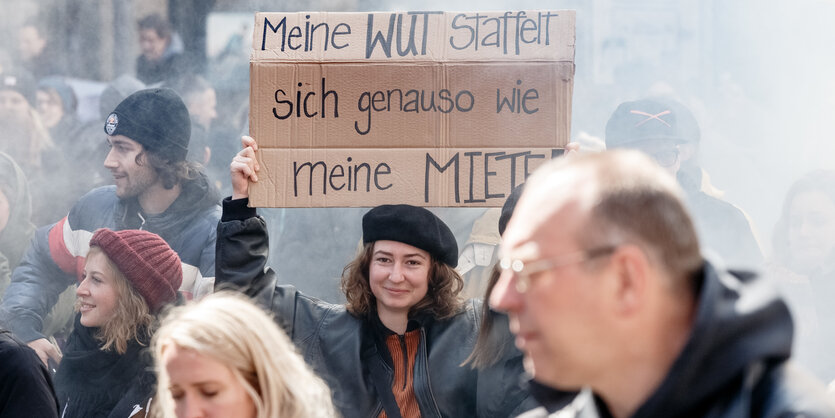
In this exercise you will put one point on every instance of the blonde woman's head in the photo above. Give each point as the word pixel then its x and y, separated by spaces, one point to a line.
pixel 224 354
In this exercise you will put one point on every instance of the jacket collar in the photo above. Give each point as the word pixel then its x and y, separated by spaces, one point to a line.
pixel 196 196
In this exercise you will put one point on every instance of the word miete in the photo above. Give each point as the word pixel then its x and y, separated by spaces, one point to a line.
pixel 505 163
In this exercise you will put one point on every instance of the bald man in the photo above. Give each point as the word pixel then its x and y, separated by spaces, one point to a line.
pixel 607 291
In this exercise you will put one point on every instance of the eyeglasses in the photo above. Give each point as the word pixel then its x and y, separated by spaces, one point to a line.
pixel 524 270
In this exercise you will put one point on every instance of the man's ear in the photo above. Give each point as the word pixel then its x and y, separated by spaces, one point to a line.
pixel 632 269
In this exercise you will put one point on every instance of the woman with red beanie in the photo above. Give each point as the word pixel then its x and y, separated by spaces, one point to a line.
pixel 128 277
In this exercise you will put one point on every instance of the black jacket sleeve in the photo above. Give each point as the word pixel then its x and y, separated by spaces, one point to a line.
pixel 241 253
pixel 25 386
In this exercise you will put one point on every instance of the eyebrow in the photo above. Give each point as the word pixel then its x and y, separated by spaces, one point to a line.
pixel 405 255
pixel 200 384
pixel 97 274
pixel 121 142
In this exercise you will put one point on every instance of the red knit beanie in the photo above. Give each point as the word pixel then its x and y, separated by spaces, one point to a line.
pixel 152 268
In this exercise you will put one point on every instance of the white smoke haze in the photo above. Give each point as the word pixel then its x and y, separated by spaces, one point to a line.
pixel 758 75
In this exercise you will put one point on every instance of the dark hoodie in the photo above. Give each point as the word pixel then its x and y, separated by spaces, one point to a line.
pixel 735 362
pixel 14 238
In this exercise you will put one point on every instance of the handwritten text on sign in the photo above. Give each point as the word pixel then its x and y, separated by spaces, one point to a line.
pixel 441 91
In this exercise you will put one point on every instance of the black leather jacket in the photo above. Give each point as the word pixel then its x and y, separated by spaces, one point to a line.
pixel 343 348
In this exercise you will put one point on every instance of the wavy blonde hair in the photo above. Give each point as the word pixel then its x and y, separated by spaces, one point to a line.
pixel 232 330
pixel 132 318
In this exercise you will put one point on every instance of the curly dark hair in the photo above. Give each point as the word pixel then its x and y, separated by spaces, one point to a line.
pixel 442 298
pixel 170 172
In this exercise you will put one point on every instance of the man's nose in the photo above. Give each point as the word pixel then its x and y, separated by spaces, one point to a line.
pixel 504 296
pixel 109 161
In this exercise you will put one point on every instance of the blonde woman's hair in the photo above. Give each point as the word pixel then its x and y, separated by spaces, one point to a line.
pixel 231 329
pixel 132 319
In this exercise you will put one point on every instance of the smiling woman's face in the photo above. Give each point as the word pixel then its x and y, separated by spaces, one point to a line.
pixel 97 294
pixel 398 276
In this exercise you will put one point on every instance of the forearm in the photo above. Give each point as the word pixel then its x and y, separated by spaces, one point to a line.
pixel 241 251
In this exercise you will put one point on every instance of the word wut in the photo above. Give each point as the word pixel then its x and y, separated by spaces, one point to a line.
pixel 408 33
pixel 324 102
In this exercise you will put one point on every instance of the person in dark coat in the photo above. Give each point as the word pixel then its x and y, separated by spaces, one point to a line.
pixel 37 56
pixel 667 131
pixel 57 106
pixel 129 276
pixel 162 52
pixel 804 264
pixel 607 291
pixel 494 351
pixel 25 386
pixel 397 347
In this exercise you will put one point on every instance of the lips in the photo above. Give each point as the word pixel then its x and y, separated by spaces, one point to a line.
pixel 397 291
pixel 524 340
pixel 85 307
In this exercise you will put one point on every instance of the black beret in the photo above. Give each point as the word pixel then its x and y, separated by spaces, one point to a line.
pixel 411 225
pixel 509 206
pixel 156 118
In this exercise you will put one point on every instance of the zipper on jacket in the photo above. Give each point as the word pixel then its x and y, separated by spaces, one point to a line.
pixel 142 225
pixel 425 356
pixel 405 351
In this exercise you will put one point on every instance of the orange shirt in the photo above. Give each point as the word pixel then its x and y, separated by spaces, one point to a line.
pixel 403 351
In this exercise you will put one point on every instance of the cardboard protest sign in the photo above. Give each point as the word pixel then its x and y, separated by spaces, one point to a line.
pixel 424 108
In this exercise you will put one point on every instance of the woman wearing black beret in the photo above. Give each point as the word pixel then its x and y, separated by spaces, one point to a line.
pixel 397 346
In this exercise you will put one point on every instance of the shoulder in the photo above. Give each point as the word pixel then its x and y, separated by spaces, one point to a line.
pixel 94 204
pixel 206 222
pixel 99 195
pixel 17 358
pixel 706 205
pixel 305 314
pixel 464 323
pixel 786 390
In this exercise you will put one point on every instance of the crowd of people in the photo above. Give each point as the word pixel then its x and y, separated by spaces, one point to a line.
pixel 613 283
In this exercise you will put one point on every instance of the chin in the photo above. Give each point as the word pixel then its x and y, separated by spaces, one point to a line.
pixel 89 322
